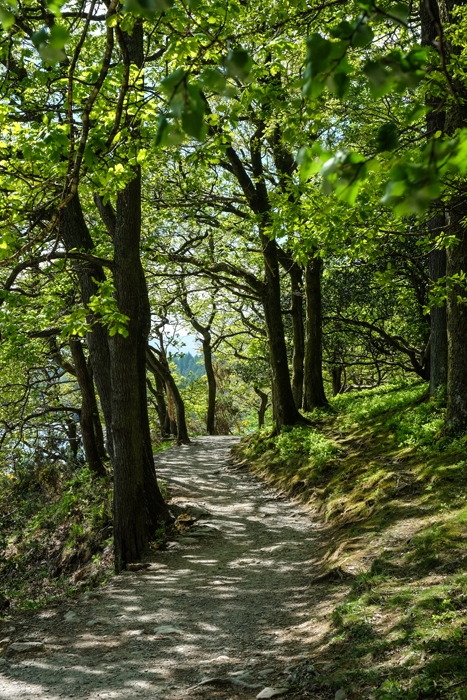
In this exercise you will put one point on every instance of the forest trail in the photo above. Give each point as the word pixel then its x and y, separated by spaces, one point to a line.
pixel 231 599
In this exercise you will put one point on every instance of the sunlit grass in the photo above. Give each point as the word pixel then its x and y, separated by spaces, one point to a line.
pixel 393 490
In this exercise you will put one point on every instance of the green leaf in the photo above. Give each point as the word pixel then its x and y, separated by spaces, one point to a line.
pixel 162 128
pixel 308 163
pixel 58 37
pixel 193 114
pixel 112 21
pixel 339 84
pixel 213 79
pixel 173 81
pixel 318 51
pixel 40 37
pixel 7 18
pixel 343 30
pixel 239 63
pixel 387 138
pixel 50 55
pixel 362 36
pixel 379 78
pixel 146 8
pixel 400 11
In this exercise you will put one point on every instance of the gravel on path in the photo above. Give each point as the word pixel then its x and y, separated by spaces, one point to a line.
pixel 229 602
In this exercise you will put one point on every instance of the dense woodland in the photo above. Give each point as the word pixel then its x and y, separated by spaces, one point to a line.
pixel 284 180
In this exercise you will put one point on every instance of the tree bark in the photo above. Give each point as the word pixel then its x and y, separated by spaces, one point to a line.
pixel 456 256
pixel 438 354
pixel 138 503
pixel 157 367
pixel 263 406
pixel 89 413
pixel 130 533
pixel 158 392
pixel 75 235
pixel 435 121
pixel 212 387
pixel 313 387
pixel 285 409
pixel 298 356
pixel 336 373
pixel 456 415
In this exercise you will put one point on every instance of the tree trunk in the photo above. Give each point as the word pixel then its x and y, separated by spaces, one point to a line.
pixel 130 534
pixel 212 387
pixel 264 404
pixel 298 357
pixel 438 354
pixel 313 387
pixel 158 392
pixel 156 509
pixel 336 373
pixel 435 120
pixel 89 410
pixel 157 367
pixel 285 409
pixel 456 258
pixel 456 415
pixel 75 235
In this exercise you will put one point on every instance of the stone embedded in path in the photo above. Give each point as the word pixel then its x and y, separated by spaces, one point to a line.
pixel 137 566
pixel 166 629
pixel 271 692
pixel 340 694
pixel 71 616
pixel 21 647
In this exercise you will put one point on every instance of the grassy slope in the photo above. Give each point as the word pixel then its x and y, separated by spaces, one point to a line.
pixel 393 492
pixel 55 533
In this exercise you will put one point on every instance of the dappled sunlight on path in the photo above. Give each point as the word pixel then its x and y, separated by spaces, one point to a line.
pixel 230 599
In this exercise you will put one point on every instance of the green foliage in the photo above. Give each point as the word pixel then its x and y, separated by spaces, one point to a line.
pixel 396 504
pixel 56 535
pixel 304 442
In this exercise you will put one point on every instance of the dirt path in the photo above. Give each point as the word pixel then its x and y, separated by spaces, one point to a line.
pixel 231 599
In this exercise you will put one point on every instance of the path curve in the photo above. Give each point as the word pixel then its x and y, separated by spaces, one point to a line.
pixel 231 599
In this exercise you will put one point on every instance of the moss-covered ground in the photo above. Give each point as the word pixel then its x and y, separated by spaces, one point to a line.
pixel 393 491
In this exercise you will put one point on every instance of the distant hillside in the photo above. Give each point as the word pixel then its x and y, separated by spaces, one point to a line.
pixel 189 363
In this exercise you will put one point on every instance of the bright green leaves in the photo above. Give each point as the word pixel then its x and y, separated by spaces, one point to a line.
pixel 186 104
pixel 387 138
pixel 415 183
pixel 147 8
pixel 238 63
pixel 399 12
pixel 50 44
pixel 7 244
pixel 341 173
pixel 326 60
pixel 7 17
pixel 362 35
pixel 320 52
pixel 396 71
pixel 327 63
pixel 104 310
pixel 310 160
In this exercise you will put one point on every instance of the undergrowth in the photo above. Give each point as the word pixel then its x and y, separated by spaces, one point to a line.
pixel 56 534
pixel 393 490
pixel 55 531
